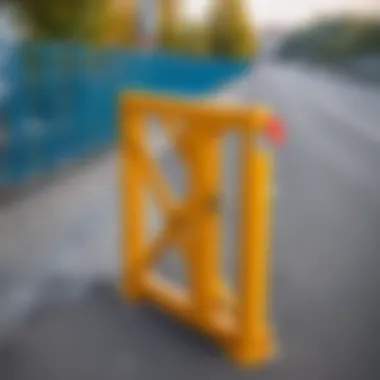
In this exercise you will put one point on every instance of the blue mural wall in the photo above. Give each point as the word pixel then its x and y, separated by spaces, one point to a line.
pixel 60 101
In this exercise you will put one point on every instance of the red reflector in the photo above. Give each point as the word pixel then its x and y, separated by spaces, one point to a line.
pixel 276 131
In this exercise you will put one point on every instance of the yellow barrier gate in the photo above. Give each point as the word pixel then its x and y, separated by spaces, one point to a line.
pixel 238 321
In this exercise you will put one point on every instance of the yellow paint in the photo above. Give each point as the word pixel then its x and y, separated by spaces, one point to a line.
pixel 133 211
pixel 254 343
pixel 239 322
pixel 205 188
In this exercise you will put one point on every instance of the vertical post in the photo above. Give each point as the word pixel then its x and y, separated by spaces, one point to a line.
pixel 132 208
pixel 254 343
pixel 206 243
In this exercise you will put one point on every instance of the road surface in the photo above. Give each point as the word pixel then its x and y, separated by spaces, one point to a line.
pixel 58 261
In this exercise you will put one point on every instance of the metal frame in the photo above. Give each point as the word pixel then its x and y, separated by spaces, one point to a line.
pixel 239 322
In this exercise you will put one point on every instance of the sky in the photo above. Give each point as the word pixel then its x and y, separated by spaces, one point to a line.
pixel 290 12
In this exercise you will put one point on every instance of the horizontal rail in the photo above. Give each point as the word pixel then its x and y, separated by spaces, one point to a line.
pixel 222 117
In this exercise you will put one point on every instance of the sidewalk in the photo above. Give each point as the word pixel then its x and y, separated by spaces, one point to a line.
pixel 65 228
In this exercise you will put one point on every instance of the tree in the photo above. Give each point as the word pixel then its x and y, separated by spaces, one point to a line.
pixel 97 21
pixel 169 30
pixel 119 26
pixel 56 18
pixel 334 40
pixel 230 30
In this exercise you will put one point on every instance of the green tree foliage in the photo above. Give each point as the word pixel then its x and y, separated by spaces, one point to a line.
pixel 94 21
pixel 227 32
pixel 118 25
pixel 231 33
pixel 334 40
pixel 59 19
pixel 169 29
pixel 193 39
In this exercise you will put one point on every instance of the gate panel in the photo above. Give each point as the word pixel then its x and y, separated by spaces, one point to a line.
pixel 239 322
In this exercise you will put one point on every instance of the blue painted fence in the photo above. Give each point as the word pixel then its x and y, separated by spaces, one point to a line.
pixel 61 100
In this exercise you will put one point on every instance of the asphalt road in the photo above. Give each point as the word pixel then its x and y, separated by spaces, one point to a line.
pixel 58 260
